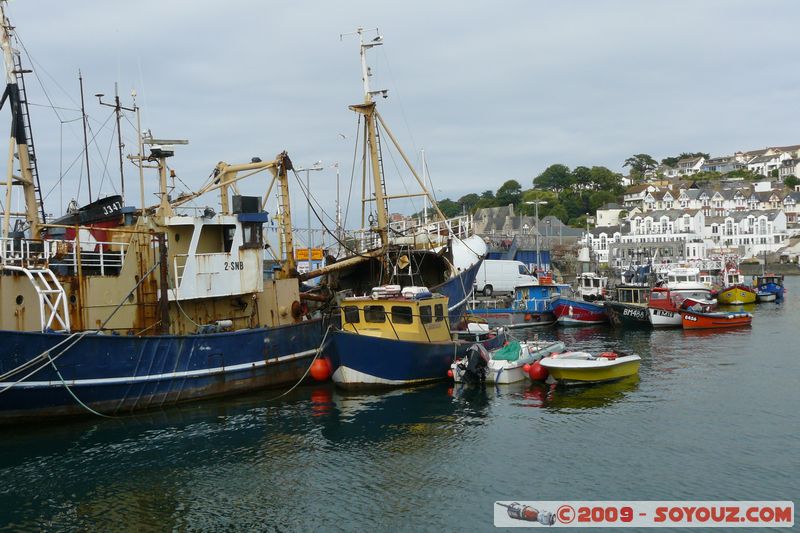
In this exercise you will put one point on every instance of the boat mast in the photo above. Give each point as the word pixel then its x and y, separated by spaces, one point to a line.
pixel 118 108
pixel 18 141
pixel 85 138
pixel 368 110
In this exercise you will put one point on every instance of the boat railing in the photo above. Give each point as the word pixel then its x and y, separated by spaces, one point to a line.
pixel 438 230
pixel 413 232
pixel 484 303
pixel 65 257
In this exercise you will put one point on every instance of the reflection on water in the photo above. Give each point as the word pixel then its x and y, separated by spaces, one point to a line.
pixel 432 457
pixel 549 396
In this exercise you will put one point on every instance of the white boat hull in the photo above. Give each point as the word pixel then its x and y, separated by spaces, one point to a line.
pixel 502 372
pixel 661 318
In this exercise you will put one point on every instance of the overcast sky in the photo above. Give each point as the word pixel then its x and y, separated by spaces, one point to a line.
pixel 491 92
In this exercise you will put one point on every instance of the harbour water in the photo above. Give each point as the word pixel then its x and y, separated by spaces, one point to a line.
pixel 713 416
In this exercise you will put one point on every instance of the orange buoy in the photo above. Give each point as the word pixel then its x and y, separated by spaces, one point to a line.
pixel 537 372
pixel 450 373
pixel 321 369
pixel 526 368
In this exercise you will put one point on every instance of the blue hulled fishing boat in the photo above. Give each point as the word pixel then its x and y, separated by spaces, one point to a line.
pixel 532 306
pixel 118 308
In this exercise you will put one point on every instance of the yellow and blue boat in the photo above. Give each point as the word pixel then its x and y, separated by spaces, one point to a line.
pixel 388 339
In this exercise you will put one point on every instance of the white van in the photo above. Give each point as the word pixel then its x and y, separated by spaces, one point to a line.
pixel 497 275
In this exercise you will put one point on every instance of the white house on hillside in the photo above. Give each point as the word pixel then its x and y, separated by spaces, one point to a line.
pixel 768 162
pixel 690 165
pixel 753 232
pixel 791 206
pixel 609 214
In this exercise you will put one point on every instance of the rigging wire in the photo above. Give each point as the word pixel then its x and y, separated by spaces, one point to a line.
pixel 402 180
pixel 383 52
pixel 353 168
pixel 79 156
pixel 105 168
pixel 324 226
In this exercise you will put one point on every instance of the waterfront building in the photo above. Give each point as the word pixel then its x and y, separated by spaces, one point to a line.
pixel 751 232
pixel 677 235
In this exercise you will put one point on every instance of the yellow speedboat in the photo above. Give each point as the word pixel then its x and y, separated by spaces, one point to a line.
pixel 583 367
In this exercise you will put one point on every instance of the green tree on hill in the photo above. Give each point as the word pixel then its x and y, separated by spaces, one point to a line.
pixel 582 178
pixel 469 201
pixel 672 162
pixel 449 208
pixel 791 181
pixel 555 178
pixel 600 198
pixel 606 180
pixel 639 164
pixel 509 192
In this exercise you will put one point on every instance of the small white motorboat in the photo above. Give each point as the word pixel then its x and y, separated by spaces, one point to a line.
pixel 583 367
pixel 766 296
pixel 504 365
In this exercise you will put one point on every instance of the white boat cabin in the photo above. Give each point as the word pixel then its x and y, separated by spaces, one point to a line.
pixel 216 256
pixel 592 286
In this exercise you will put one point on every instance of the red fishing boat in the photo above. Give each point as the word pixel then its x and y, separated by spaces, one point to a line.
pixel 700 316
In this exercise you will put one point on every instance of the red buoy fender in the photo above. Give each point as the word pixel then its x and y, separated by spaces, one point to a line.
pixel 321 369
pixel 537 372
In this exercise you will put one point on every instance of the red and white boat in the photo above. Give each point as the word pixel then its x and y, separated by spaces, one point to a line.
pixel 574 312
pixel 700 316
pixel 682 288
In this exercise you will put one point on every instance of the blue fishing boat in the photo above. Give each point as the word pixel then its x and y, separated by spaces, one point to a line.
pixel 531 306
pixel 578 312
pixel 769 287
pixel 114 309
pixel 388 339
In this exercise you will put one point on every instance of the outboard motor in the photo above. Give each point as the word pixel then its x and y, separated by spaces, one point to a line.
pixel 474 364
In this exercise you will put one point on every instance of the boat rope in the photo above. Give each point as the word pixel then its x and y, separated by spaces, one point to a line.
pixel 305 374
pixel 71 393
pixel 187 316
pixel 36 359
pixel 44 355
